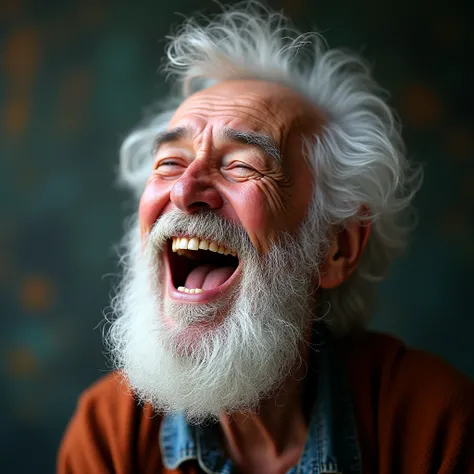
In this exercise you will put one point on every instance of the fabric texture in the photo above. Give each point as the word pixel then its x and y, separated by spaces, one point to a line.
pixel 414 413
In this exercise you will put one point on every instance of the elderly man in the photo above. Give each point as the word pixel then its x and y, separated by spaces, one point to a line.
pixel 275 197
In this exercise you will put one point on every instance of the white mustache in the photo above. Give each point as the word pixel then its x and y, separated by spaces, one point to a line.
pixel 206 225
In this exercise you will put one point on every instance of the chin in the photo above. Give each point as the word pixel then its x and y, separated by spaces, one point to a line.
pixel 186 342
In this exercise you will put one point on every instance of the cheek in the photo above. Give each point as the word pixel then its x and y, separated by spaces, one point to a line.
pixel 152 202
pixel 251 209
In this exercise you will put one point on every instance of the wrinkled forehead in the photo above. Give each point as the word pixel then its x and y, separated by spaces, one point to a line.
pixel 251 104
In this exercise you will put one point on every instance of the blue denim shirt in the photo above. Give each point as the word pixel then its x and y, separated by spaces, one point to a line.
pixel 331 445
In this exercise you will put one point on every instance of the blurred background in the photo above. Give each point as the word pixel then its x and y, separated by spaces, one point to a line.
pixel 77 75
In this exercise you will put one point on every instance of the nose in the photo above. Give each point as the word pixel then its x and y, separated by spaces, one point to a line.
pixel 194 191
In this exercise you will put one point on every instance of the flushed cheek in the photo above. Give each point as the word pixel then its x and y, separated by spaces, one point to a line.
pixel 152 202
pixel 253 214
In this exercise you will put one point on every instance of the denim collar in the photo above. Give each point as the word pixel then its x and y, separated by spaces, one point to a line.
pixel 331 444
pixel 182 442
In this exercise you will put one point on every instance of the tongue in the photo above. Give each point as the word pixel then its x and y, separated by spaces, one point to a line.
pixel 208 277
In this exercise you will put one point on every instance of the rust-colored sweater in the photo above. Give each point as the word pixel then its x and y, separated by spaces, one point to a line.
pixel 415 415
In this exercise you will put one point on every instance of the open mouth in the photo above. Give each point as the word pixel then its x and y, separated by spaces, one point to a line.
pixel 198 265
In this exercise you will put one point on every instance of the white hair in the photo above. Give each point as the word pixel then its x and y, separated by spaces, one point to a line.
pixel 358 158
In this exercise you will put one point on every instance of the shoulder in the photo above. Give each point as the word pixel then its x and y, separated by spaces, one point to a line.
pixel 411 404
pixel 108 408
pixel 110 394
pixel 401 370
pixel 107 428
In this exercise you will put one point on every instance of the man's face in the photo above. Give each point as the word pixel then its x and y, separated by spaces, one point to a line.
pixel 235 150
pixel 199 330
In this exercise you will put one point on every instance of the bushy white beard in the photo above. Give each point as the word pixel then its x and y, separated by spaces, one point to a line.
pixel 232 365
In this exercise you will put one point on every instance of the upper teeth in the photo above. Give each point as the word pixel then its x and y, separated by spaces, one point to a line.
pixel 195 243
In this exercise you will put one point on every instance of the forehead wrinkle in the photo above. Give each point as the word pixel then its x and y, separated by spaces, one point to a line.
pixel 241 115
pixel 273 113
pixel 292 104
pixel 250 101
pixel 238 102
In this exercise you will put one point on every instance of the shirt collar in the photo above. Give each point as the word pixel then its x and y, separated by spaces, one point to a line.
pixel 182 442
pixel 177 440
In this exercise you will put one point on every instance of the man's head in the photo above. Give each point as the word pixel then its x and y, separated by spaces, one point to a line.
pixel 256 207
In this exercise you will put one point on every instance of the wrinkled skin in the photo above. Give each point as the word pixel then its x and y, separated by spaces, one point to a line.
pixel 236 180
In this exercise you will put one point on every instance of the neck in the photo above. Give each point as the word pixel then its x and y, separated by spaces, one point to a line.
pixel 275 435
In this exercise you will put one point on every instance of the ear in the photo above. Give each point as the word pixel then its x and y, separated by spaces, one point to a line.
pixel 343 255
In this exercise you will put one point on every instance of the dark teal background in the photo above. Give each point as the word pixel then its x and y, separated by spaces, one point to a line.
pixel 76 76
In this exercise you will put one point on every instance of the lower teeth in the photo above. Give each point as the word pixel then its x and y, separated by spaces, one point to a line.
pixel 182 289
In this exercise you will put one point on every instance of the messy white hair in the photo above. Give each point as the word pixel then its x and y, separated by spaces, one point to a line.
pixel 358 158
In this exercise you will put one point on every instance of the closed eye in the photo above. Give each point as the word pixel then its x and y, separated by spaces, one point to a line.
pixel 170 167
pixel 239 170
pixel 168 163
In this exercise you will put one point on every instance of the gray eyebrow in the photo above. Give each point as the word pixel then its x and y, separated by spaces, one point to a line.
pixel 167 136
pixel 266 143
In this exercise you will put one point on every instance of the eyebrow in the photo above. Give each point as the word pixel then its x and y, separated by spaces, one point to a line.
pixel 266 143
pixel 262 141
pixel 168 136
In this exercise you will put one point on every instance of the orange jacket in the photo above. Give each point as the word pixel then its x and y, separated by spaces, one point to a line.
pixel 415 415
